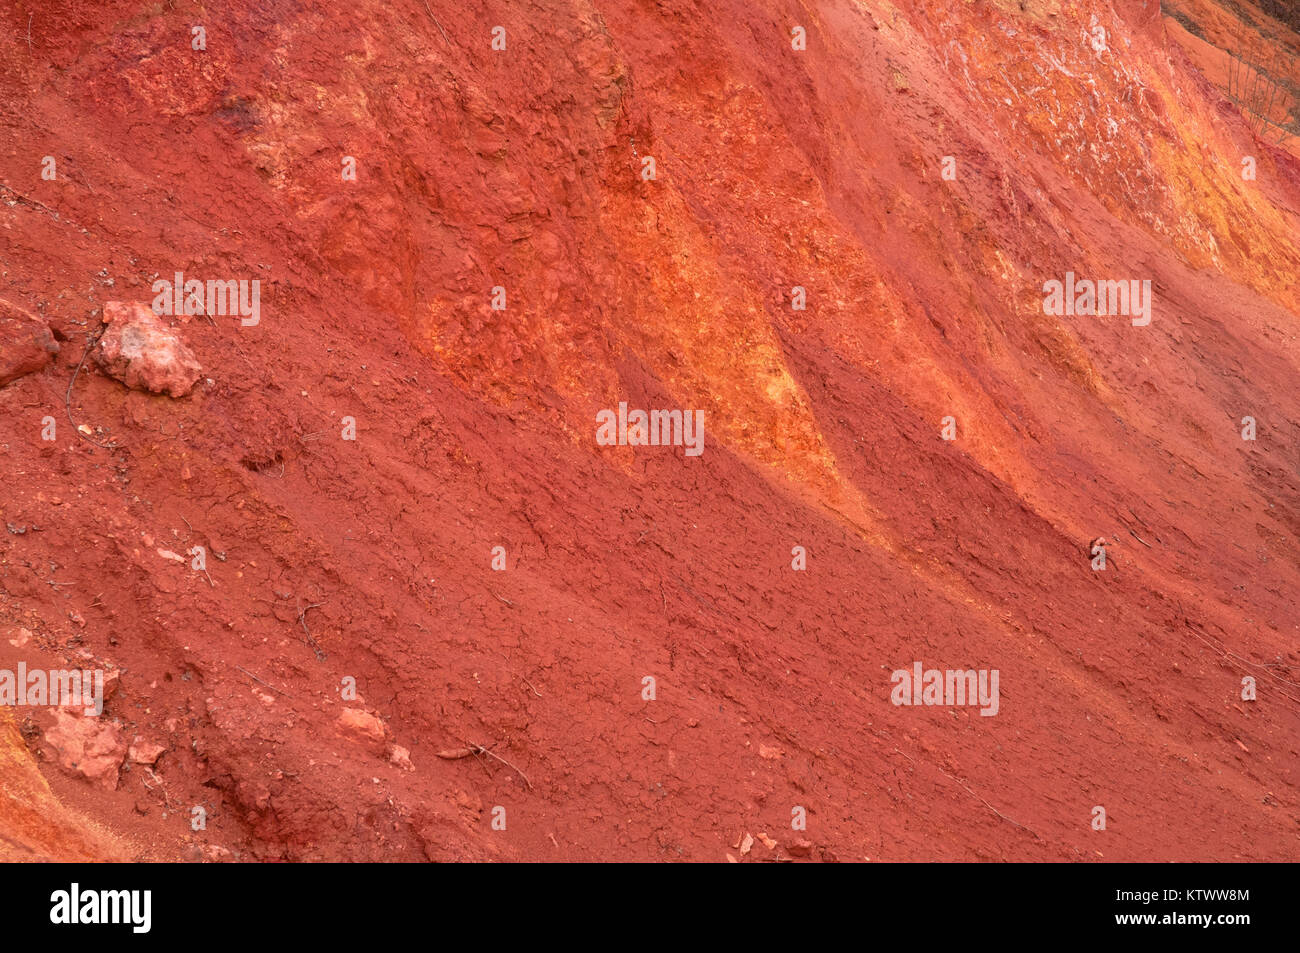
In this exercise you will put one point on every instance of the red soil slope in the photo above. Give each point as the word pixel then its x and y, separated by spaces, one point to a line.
pixel 371 559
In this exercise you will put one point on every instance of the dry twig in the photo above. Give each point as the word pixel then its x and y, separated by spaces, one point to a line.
pixel 436 23
pixel 455 754
pixel 256 679
pixel 302 619
pixel 67 397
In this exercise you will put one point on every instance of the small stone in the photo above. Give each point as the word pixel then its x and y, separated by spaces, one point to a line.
pixel 800 848
pixel 362 725
pixel 401 757
pixel 145 752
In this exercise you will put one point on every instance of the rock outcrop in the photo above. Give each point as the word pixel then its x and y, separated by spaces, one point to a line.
pixel 26 344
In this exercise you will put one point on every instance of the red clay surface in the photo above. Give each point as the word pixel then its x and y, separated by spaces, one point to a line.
pixel 475 428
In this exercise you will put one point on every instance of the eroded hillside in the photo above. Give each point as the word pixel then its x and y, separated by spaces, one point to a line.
pixel 1082 140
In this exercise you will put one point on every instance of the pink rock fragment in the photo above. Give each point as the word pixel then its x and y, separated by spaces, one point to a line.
pixel 143 353
pixel 90 747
